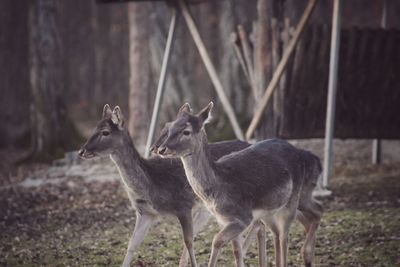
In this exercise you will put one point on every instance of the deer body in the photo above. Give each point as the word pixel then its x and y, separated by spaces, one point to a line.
pixel 154 186
pixel 240 177
pixel 262 182
pixel 244 187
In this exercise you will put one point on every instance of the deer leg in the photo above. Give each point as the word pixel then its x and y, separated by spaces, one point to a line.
pixel 229 232
pixel 142 225
pixel 237 251
pixel 309 245
pixel 199 221
pixel 256 230
pixel 272 225
pixel 284 220
pixel 283 246
pixel 309 218
pixel 187 230
pixel 251 236
pixel 261 236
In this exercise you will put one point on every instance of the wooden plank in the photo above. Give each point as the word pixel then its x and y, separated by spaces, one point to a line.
pixel 210 68
pixel 239 54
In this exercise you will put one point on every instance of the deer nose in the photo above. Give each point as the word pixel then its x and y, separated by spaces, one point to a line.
pixel 162 150
pixel 153 149
pixel 81 152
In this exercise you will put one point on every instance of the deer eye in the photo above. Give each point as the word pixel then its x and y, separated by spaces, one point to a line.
pixel 105 133
pixel 186 132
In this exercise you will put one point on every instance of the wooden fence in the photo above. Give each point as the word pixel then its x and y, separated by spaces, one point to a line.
pixel 368 96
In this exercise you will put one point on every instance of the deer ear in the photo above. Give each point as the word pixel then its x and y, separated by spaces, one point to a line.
pixel 205 114
pixel 117 117
pixel 184 109
pixel 107 111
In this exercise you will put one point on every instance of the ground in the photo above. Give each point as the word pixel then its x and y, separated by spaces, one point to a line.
pixel 81 222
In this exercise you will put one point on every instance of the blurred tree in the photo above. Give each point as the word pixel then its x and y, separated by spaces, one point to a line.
pixel 95 64
pixel 52 131
pixel 141 77
pixel 14 74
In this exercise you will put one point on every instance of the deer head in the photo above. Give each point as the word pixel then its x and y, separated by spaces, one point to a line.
pixel 164 131
pixel 182 136
pixel 107 136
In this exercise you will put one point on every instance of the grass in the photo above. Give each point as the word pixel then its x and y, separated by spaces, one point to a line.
pixel 79 224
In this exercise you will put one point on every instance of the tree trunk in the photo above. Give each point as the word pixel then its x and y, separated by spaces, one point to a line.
pixel 52 132
pixel 262 51
pixel 262 54
pixel 267 54
pixel 140 81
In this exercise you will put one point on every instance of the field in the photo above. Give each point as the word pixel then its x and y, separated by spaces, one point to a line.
pixel 72 221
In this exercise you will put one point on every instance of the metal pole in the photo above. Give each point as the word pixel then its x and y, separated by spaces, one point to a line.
pixel 333 74
pixel 376 143
pixel 210 68
pixel 161 81
pixel 280 69
pixel 376 151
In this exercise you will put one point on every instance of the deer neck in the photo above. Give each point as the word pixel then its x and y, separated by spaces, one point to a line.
pixel 199 169
pixel 131 167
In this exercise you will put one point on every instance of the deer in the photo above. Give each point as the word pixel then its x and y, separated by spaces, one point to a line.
pixel 270 181
pixel 155 186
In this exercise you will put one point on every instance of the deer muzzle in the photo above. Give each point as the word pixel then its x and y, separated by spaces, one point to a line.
pixel 164 151
pixel 83 153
